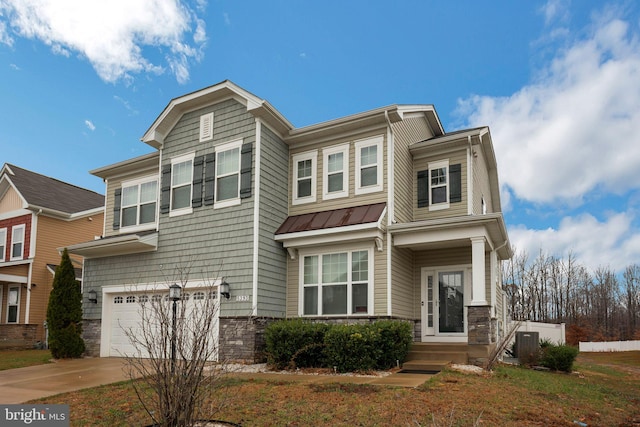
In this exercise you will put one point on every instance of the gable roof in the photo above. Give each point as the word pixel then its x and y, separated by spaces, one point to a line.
pixel 42 192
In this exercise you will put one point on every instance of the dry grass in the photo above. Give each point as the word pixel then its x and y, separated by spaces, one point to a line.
pixel 603 391
pixel 11 359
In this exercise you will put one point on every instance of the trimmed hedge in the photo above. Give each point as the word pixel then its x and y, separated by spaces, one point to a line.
pixel 346 348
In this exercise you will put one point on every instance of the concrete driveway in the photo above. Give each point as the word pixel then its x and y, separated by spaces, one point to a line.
pixel 23 384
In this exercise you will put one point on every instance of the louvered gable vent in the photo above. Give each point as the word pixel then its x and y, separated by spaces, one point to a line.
pixel 206 127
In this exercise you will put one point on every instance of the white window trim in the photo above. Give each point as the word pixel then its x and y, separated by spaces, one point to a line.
pixel 377 140
pixel 221 149
pixel 327 251
pixel 13 231
pixel 206 127
pixel 138 182
pixel 3 239
pixel 187 210
pixel 17 305
pixel 443 205
pixel 309 155
pixel 344 149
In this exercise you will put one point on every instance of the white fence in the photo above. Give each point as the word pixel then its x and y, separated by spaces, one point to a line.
pixel 553 332
pixel 610 346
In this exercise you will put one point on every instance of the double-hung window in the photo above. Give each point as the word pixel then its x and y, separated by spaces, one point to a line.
pixel 3 243
pixel 17 242
pixel 369 165
pixel 228 174
pixel 13 300
pixel 336 284
pixel 439 184
pixel 139 200
pixel 181 183
pixel 304 177
pixel 335 178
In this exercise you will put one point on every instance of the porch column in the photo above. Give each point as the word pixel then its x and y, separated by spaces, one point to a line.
pixel 478 279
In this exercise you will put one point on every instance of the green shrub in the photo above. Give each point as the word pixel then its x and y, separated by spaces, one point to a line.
pixel 295 343
pixel 351 348
pixel 394 342
pixel 559 357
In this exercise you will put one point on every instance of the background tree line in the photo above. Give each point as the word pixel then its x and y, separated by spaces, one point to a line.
pixel 600 305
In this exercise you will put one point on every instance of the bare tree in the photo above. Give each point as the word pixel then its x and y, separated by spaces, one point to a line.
pixel 174 344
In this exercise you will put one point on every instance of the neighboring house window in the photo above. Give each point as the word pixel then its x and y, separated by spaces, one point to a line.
pixel 139 199
pixel 369 165
pixel 439 185
pixel 228 174
pixel 3 243
pixel 206 127
pixel 13 300
pixel 304 177
pixel 17 242
pixel 181 180
pixel 335 178
pixel 336 284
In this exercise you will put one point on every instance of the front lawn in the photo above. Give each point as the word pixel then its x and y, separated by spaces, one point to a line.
pixel 600 392
pixel 11 359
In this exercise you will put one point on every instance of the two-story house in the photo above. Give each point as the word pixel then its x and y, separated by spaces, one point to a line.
pixel 38 215
pixel 376 215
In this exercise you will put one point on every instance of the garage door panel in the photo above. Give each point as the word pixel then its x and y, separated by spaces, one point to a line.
pixel 127 315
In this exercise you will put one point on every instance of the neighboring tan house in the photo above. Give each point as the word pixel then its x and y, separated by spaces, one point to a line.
pixel 38 215
pixel 378 215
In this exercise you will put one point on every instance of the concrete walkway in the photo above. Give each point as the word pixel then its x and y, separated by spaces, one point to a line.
pixel 24 384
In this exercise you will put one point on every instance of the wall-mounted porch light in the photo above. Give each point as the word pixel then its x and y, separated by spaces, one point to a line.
pixel 92 295
pixel 224 289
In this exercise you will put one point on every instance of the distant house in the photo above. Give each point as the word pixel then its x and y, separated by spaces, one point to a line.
pixel 38 215
pixel 378 215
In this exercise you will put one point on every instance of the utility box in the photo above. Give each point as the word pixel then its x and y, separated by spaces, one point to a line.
pixel 527 346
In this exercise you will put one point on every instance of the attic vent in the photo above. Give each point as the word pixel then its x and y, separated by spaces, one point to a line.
pixel 206 127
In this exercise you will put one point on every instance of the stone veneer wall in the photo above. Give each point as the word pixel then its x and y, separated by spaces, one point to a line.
pixel 91 337
pixel 481 335
pixel 242 339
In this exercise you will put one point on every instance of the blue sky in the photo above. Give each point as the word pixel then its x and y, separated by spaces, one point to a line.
pixel 557 81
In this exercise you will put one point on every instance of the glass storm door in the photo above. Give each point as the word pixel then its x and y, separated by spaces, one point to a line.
pixel 451 302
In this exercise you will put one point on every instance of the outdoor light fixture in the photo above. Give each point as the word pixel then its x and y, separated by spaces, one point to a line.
pixel 93 296
pixel 175 292
pixel 224 289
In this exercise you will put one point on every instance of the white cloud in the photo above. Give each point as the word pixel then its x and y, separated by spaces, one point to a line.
pixel 90 125
pixel 111 35
pixel 576 127
pixel 611 243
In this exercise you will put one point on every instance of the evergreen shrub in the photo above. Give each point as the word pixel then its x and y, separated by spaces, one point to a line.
pixel 559 357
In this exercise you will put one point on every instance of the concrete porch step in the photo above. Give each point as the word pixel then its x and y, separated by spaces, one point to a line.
pixel 424 366
pixel 454 353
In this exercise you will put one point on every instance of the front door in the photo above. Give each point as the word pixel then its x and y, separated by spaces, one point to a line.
pixel 443 303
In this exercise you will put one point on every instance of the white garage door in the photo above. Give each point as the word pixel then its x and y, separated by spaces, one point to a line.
pixel 126 314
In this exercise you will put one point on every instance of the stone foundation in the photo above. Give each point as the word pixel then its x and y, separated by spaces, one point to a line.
pixel 242 339
pixel 91 337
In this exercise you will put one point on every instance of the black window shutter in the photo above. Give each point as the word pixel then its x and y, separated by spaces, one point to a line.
pixel 198 166
pixel 117 204
pixel 165 189
pixel 423 189
pixel 245 171
pixel 455 183
pixel 209 178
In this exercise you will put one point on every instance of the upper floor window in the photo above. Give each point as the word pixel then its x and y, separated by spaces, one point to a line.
pixel 335 178
pixel 181 179
pixel 336 283
pixel 3 243
pixel 304 177
pixel 369 165
pixel 228 174
pixel 439 185
pixel 17 242
pixel 139 199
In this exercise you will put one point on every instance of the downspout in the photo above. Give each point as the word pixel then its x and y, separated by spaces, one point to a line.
pixel 390 204
pixel 32 252
pixel 470 178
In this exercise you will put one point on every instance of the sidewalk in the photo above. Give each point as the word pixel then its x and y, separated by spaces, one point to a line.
pixel 24 384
